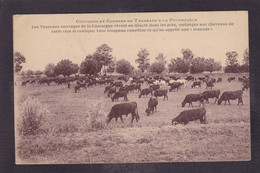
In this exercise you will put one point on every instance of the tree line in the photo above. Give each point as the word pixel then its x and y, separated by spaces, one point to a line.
pixel 102 59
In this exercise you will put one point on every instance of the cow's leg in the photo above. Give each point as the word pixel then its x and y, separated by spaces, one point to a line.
pixel 121 119
pixel 109 120
pixel 133 117
pixel 228 101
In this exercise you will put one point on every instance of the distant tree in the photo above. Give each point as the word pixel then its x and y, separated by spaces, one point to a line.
pixel 103 55
pixel 246 57
pixel 211 65
pixel 18 60
pixel 187 55
pixel 75 68
pixel 22 73
pixel 124 67
pixel 231 58
pixel 38 72
pixel 65 67
pixel 157 67
pixel 161 58
pixel 49 70
pixel 111 67
pixel 29 73
pixel 178 65
pixel 137 72
pixel 90 66
pixel 198 65
pixel 232 62
pixel 245 66
pixel 143 59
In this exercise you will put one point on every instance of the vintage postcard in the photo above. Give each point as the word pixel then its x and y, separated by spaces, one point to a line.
pixel 131 87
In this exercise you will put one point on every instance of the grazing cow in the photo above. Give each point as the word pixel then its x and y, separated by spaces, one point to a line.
pixel 183 81
pixel 231 79
pixel 76 88
pixel 107 88
pixel 154 86
pixel 91 83
pixel 138 87
pixel 118 84
pixel 42 81
pixel 101 82
pixel 146 91
pixel 193 98
pixel 140 81
pixel 175 78
pixel 124 88
pixel 195 84
pixel 231 95
pixel 111 91
pixel 213 80
pixel 130 87
pixel 201 78
pixel 109 81
pixel 160 93
pixel 122 78
pixel 120 94
pixel 191 115
pixel 24 83
pixel 240 79
pixel 152 104
pixel 82 85
pixel 246 86
pixel 123 109
pixel 219 79
pixel 175 85
pixel 188 78
pixel 211 94
pixel 209 84
pixel 60 81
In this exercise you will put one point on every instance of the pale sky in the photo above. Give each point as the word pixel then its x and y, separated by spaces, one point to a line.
pixel 41 47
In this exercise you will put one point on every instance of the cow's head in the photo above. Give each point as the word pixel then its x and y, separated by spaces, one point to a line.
pixel 112 98
pixel 183 104
pixel 174 122
pixel 219 101
pixel 148 111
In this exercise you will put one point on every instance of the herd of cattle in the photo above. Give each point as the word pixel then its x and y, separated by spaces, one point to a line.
pixel 157 87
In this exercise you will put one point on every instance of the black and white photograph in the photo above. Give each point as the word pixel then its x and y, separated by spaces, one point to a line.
pixel 148 87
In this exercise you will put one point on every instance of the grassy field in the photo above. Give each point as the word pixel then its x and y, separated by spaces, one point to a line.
pixel 66 138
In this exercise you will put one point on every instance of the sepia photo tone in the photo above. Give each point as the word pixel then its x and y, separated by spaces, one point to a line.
pixel 131 87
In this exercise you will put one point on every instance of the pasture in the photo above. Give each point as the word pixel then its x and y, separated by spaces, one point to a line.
pixel 66 138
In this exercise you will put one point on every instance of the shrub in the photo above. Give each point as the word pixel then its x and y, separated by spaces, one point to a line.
pixel 95 115
pixel 31 114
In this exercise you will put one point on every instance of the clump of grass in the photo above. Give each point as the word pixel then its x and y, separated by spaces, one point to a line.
pixel 95 115
pixel 31 116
